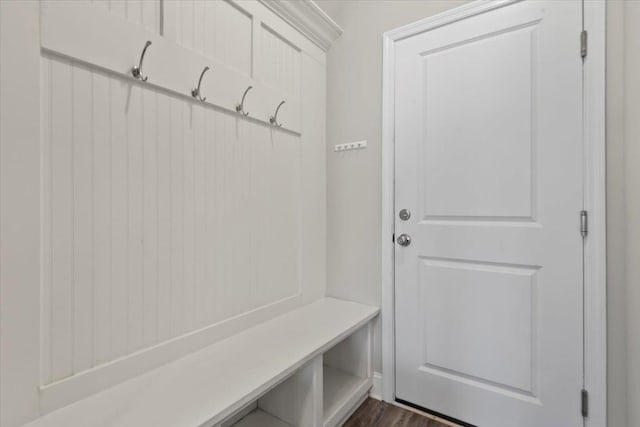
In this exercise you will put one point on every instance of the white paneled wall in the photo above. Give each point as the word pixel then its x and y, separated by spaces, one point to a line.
pixel 217 29
pixel 146 13
pixel 160 216
pixel 151 224
pixel 280 61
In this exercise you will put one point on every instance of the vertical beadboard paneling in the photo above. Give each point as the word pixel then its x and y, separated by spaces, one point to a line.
pixel 189 224
pixel 160 216
pixel 134 11
pixel 117 7
pixel 216 235
pixel 217 29
pixel 144 12
pixel 286 190
pixel 200 281
pixel 242 256
pixel 261 185
pixel 134 174
pixel 235 34
pixel 82 218
pixel 119 223
pixel 185 23
pixel 164 177
pixel 209 240
pixel 151 15
pixel 150 212
pixel 102 221
pixel 279 62
pixel 62 224
pixel 197 26
pixel 177 215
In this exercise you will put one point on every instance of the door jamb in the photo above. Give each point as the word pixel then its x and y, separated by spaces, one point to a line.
pixel 595 316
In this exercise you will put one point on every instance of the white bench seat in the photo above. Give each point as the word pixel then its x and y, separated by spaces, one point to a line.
pixel 208 386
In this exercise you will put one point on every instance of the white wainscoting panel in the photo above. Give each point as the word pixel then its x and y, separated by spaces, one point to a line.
pixel 160 216
pixel 151 224
pixel 220 30
pixel 146 13
pixel 278 62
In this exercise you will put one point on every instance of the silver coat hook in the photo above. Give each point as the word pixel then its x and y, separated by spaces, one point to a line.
pixel 240 107
pixel 196 92
pixel 136 71
pixel 274 119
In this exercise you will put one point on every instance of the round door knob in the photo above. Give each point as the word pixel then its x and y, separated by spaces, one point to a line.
pixel 404 240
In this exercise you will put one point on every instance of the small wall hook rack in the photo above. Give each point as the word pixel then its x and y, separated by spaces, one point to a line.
pixel 240 106
pixel 274 119
pixel 196 91
pixel 136 70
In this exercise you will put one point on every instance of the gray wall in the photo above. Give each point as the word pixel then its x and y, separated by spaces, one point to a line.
pixel 623 210
pixel 353 179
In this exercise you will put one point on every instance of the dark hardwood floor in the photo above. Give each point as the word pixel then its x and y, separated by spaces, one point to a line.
pixel 374 413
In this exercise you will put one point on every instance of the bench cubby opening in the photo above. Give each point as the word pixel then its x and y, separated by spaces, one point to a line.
pixel 294 402
pixel 347 376
pixel 322 393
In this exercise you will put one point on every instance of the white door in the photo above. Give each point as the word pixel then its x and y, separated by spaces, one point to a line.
pixel 488 137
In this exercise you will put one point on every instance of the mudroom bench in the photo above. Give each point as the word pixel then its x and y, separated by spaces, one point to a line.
pixel 308 367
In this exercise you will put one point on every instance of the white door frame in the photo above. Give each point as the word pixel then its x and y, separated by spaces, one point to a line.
pixel 595 326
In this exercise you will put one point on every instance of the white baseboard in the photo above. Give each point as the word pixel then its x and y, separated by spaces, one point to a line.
pixel 376 390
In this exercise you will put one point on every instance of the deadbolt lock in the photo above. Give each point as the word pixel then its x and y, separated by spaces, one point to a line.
pixel 405 214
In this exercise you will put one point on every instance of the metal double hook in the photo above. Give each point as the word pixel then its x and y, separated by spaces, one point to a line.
pixel 274 119
pixel 136 70
pixel 240 107
pixel 196 91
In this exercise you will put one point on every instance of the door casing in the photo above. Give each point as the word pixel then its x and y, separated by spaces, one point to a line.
pixel 594 90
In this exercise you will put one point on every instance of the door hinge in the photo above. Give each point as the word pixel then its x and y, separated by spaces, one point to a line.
pixel 585 403
pixel 583 44
pixel 584 225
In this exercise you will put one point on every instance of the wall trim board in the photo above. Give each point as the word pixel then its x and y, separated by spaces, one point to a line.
pixel 308 18
pixel 376 389
pixel 595 199
pixel 595 326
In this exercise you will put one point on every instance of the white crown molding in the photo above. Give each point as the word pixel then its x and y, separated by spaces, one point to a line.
pixel 307 17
